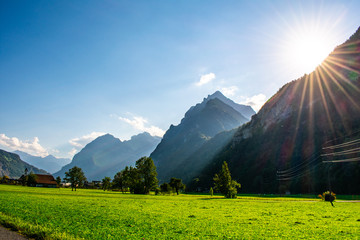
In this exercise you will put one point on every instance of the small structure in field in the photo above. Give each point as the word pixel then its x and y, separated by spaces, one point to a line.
pixel 43 180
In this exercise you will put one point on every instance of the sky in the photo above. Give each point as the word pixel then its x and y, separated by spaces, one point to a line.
pixel 71 71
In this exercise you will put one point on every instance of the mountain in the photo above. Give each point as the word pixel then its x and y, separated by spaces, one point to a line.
pixel 287 146
pixel 199 125
pixel 12 166
pixel 107 155
pixel 245 110
pixel 49 163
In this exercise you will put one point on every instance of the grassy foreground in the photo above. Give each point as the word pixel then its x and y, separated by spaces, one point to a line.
pixel 94 214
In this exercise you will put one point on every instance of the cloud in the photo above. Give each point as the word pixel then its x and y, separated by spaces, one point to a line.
pixel 82 141
pixel 204 79
pixel 229 91
pixel 73 152
pixel 31 147
pixel 139 124
pixel 255 101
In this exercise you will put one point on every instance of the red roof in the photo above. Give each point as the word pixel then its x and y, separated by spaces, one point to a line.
pixel 45 179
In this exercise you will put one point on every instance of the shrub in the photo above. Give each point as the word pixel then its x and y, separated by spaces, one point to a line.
pixel 328 196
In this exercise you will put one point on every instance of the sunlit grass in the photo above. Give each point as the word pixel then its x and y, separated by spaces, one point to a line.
pixel 95 214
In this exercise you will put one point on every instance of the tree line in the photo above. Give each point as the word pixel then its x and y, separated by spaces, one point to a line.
pixel 140 179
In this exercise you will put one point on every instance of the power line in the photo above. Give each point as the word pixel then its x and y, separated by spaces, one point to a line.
pixel 347 144
pixel 310 165
pixel 350 151
pixel 308 171
pixel 343 137
pixel 343 160
pixel 299 166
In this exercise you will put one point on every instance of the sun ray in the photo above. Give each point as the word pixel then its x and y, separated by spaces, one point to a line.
pixel 311 107
pixel 321 81
pixel 330 70
pixel 303 94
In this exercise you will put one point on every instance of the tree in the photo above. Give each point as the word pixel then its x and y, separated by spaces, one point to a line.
pixel 224 184
pixel 134 181
pixel 118 181
pixel 165 188
pixel 146 175
pixel 31 179
pixel 139 179
pixel 76 177
pixel 58 181
pixel 5 179
pixel 106 183
pixel 176 184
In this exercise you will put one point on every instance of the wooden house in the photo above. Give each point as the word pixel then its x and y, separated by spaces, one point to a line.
pixel 43 180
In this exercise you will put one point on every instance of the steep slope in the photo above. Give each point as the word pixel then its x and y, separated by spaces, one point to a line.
pixel 192 166
pixel 201 123
pixel 107 155
pixel 290 131
pixel 49 163
pixel 12 166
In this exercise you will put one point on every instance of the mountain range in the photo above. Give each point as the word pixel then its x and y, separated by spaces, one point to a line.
pixel 49 163
pixel 201 123
pixel 107 155
pixel 297 141
pixel 12 166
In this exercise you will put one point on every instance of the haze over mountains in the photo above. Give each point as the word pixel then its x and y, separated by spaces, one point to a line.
pixel 201 123
pixel 12 166
pixel 49 163
pixel 290 132
pixel 107 155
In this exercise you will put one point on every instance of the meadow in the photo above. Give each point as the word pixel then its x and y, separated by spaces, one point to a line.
pixel 43 213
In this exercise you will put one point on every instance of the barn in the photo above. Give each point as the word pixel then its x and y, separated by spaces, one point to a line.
pixel 43 180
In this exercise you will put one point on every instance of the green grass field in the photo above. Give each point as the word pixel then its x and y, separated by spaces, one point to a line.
pixel 95 214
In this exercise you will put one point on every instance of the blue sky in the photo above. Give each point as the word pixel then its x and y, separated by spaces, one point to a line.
pixel 73 70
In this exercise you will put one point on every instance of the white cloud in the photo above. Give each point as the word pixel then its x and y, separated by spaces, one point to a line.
pixel 229 91
pixel 204 79
pixel 139 124
pixel 73 152
pixel 31 147
pixel 255 101
pixel 82 141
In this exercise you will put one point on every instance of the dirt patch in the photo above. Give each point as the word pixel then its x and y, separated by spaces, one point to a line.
pixel 6 234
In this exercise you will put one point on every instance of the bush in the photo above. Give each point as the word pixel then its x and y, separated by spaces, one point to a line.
pixel 328 196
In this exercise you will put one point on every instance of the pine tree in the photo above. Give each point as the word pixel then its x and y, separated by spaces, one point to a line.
pixel 224 184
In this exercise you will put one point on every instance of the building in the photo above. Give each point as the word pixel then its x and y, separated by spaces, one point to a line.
pixel 43 180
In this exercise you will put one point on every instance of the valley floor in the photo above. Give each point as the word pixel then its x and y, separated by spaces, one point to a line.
pixel 95 214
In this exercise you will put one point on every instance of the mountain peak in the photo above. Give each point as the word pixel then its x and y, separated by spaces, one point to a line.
pixel 244 110
pixel 216 94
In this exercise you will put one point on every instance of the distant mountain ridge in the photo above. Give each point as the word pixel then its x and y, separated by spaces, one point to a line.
pixel 12 166
pixel 200 124
pixel 107 155
pixel 290 131
pixel 49 163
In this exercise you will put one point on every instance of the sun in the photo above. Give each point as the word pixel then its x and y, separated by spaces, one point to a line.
pixel 304 50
